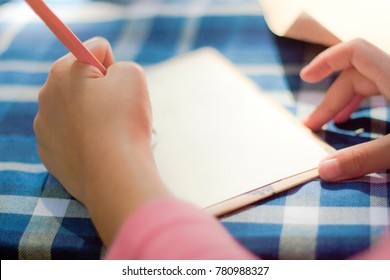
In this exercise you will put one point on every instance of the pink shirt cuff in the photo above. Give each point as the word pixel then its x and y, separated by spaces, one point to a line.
pixel 170 229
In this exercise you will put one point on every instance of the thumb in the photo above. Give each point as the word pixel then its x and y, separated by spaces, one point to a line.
pixel 101 49
pixel 356 161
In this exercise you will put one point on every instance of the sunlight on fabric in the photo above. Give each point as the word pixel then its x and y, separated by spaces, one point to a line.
pixel 23 167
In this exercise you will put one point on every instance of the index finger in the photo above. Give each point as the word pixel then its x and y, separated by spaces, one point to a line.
pixel 367 59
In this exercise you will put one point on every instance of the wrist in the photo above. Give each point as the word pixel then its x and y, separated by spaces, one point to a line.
pixel 123 183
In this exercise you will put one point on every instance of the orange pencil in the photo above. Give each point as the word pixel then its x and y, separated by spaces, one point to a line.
pixel 64 34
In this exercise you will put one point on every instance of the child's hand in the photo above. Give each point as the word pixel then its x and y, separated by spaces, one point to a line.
pixel 365 71
pixel 94 136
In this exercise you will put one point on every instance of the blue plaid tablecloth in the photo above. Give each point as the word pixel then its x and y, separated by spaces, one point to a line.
pixel 39 220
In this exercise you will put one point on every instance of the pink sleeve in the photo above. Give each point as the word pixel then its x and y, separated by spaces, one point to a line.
pixel 171 229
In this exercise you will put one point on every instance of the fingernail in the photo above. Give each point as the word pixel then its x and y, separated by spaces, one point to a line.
pixel 330 169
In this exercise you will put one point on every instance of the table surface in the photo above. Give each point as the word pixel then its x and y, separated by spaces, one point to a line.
pixel 40 220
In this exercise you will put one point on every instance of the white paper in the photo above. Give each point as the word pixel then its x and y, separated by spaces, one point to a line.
pixel 217 135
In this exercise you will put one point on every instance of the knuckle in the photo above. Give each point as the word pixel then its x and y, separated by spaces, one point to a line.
pixel 359 41
pixel 56 69
pixel 60 70
pixel 36 124
pixel 45 95
pixel 41 96
pixel 131 70
pixel 37 130
pixel 358 48
pixel 133 67
pixel 137 68
pixel 358 160
pixel 358 44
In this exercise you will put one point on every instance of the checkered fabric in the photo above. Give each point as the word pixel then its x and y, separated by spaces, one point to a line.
pixel 39 220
